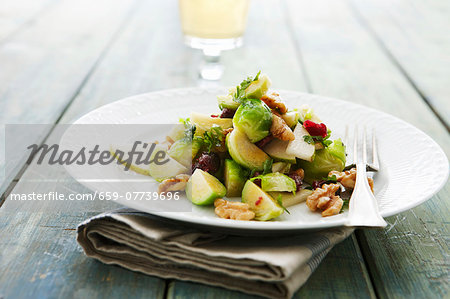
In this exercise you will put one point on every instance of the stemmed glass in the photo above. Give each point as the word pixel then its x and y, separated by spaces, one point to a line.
pixel 213 26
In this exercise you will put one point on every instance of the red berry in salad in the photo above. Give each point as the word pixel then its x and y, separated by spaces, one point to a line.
pixel 209 162
pixel 227 113
pixel 315 129
pixel 297 179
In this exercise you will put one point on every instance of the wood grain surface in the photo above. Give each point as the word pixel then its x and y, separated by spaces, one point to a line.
pixel 44 65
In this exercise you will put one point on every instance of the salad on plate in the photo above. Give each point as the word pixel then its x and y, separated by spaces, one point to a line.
pixel 257 150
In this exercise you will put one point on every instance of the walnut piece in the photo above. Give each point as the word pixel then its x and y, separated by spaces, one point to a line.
pixel 299 172
pixel 348 178
pixel 333 206
pixel 274 101
pixel 325 199
pixel 280 129
pixel 233 210
pixel 178 183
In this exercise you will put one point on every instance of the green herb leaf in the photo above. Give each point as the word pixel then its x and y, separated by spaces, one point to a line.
pixel 309 139
pixel 324 140
pixel 268 166
pixel 213 138
pixel 331 178
pixel 345 205
pixel 240 89
pixel 280 202
pixel 189 129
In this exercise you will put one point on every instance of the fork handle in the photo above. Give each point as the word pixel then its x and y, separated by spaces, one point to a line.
pixel 363 208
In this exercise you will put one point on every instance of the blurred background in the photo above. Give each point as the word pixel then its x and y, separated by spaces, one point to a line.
pixel 53 51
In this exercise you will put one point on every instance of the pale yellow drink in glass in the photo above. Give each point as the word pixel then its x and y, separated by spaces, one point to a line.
pixel 213 26
pixel 213 19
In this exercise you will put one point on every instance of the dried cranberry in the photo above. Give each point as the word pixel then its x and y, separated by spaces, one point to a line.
pixel 257 182
pixel 214 115
pixel 315 129
pixel 256 173
pixel 297 179
pixel 227 113
pixel 264 141
pixel 209 162
pixel 317 184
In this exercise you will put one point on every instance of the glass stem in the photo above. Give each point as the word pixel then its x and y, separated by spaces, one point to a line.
pixel 211 68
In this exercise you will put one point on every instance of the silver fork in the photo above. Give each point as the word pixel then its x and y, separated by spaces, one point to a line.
pixel 363 208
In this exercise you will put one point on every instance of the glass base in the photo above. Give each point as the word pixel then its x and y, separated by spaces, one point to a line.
pixel 216 44
pixel 211 69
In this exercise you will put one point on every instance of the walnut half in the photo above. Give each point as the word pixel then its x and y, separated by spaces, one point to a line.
pixel 348 178
pixel 233 210
pixel 177 183
pixel 273 100
pixel 280 129
pixel 325 199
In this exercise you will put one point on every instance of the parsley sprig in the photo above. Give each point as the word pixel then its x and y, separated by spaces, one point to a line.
pixel 189 129
pixel 240 89
pixel 324 140
pixel 213 138
pixel 267 168
pixel 280 202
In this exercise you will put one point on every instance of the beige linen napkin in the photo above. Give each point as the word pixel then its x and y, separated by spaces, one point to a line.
pixel 274 267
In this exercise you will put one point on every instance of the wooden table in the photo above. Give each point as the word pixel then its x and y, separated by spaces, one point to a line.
pixel 62 58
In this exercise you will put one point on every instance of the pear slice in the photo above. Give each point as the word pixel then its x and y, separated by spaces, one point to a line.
pixel 290 199
pixel 277 150
pixel 204 122
pixel 299 147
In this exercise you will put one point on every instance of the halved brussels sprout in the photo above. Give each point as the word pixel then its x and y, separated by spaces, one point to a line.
pixel 258 88
pixel 325 160
pixel 181 151
pixel 277 182
pixel 264 206
pixel 226 101
pixel 281 167
pixel 254 118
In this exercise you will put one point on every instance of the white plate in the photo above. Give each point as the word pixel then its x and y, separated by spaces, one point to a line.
pixel 413 166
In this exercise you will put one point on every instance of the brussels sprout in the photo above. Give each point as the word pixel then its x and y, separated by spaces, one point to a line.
pixel 277 182
pixel 167 170
pixel 264 206
pixel 226 101
pixel 234 177
pixel 258 88
pixel 197 144
pixel 253 118
pixel 325 160
pixel 281 167
pixel 181 151
pixel 244 152
pixel 202 188
pixel 177 132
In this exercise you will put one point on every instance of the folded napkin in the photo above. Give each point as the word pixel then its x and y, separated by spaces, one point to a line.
pixel 274 267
